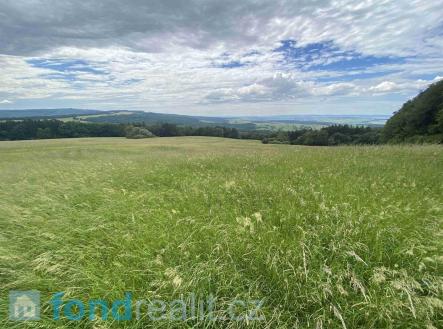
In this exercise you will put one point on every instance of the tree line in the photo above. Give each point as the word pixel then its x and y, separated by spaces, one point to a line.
pixel 327 136
pixel 46 129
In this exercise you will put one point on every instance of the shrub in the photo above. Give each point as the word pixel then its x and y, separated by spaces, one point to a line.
pixel 138 132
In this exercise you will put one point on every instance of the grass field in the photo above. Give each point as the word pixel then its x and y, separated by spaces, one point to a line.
pixel 339 237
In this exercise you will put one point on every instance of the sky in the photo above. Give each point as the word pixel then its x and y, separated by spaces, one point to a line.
pixel 219 57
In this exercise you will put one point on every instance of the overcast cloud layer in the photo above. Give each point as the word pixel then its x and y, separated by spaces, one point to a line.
pixel 219 57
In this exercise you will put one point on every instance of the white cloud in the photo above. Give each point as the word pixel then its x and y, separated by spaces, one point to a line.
pixel 335 89
pixel 385 86
pixel 280 87
pixel 168 54
pixel 5 101
pixel 403 86
pixel 369 26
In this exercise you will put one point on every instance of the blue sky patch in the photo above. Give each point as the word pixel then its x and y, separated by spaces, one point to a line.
pixel 226 61
pixel 65 66
pixel 359 62
pixel 354 76
pixel 131 82
pixel 232 64
pixel 326 56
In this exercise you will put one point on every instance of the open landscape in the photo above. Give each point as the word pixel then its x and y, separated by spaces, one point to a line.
pixel 207 164
pixel 344 237
pixel 269 123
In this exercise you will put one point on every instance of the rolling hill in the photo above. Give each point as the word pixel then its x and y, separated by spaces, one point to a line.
pixel 245 123
pixel 420 119
pixel 44 113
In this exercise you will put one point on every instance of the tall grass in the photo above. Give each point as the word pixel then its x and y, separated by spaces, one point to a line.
pixel 345 237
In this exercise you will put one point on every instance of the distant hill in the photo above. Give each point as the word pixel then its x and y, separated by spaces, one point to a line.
pixel 148 118
pixel 419 120
pixel 360 120
pixel 246 123
pixel 38 113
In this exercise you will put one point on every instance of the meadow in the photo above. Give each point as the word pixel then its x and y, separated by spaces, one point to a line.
pixel 324 237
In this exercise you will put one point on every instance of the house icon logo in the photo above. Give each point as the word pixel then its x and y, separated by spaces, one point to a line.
pixel 24 305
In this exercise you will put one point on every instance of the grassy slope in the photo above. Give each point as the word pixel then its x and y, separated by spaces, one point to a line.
pixel 350 236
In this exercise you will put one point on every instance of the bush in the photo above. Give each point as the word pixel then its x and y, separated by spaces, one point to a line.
pixel 138 133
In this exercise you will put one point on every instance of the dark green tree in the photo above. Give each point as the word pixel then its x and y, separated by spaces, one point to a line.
pixel 419 117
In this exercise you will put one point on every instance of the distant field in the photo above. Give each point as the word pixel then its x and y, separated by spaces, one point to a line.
pixel 333 237
pixel 269 123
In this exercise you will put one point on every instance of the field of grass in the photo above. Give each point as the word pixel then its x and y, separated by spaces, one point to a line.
pixel 339 237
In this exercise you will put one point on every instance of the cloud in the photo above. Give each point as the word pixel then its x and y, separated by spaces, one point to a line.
pixel 385 86
pixel 171 55
pixel 368 26
pixel 336 89
pixel 5 101
pixel 405 86
pixel 280 87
